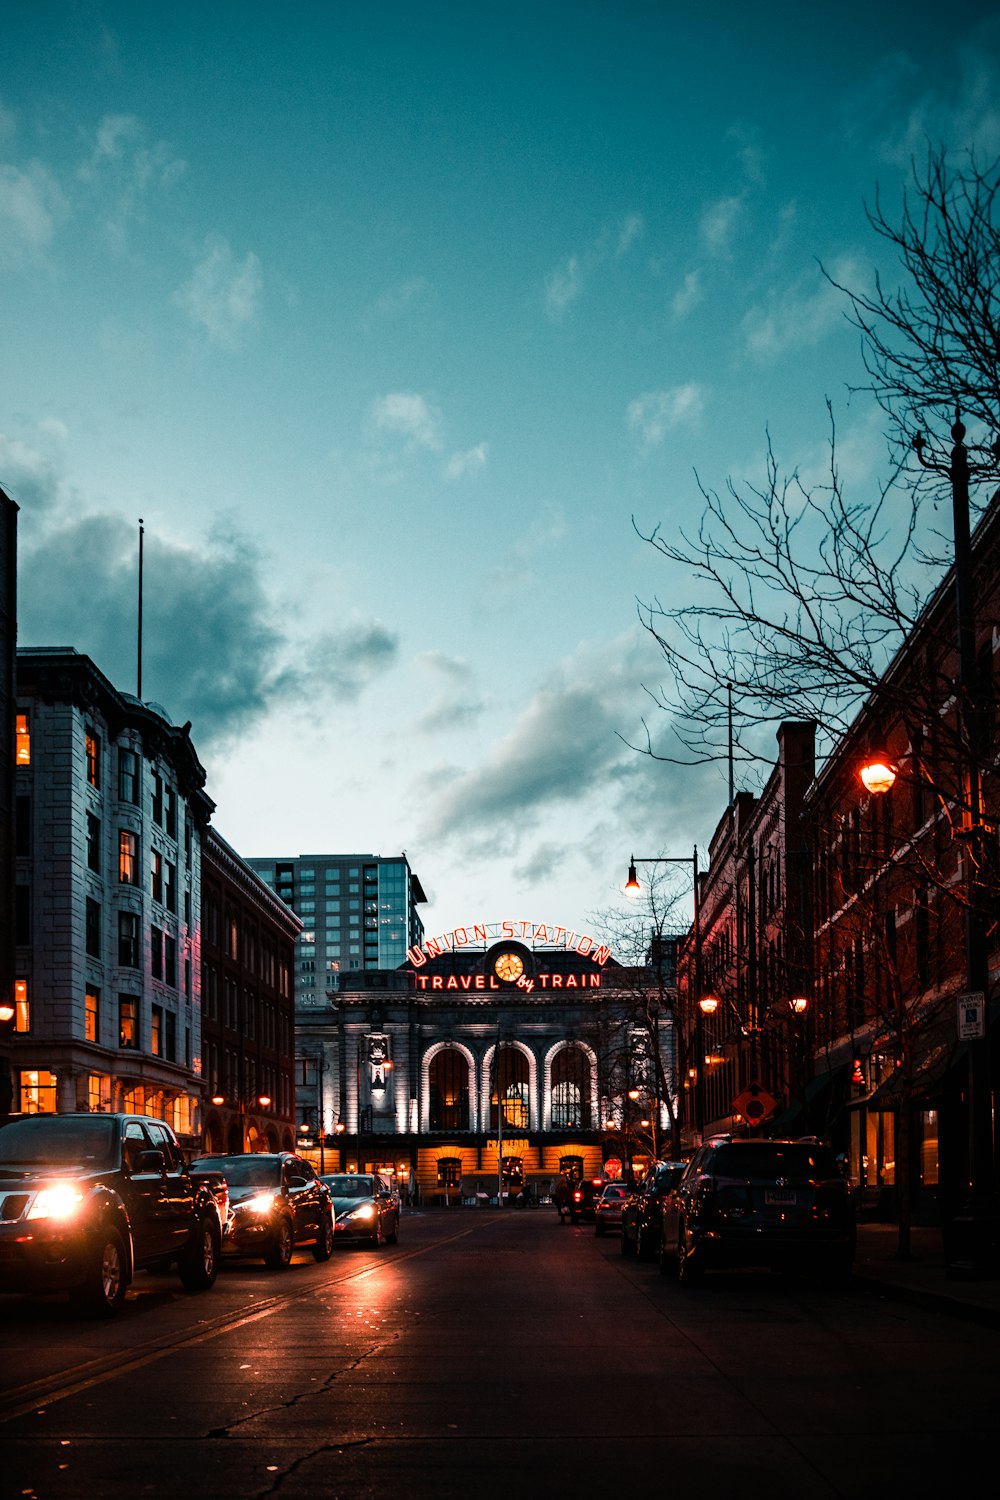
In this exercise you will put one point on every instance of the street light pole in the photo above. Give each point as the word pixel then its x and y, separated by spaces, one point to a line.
pixel 972 725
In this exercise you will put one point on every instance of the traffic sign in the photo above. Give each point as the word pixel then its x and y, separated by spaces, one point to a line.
pixel 755 1104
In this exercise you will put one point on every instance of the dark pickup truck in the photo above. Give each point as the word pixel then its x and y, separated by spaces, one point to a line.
pixel 86 1200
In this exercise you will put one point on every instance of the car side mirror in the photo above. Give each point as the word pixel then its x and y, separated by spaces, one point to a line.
pixel 297 1182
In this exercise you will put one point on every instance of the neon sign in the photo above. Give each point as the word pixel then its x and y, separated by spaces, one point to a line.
pixel 535 934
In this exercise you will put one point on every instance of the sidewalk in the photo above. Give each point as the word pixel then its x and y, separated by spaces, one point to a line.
pixel 923 1280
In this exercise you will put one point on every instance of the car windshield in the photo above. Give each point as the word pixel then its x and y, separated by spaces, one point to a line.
pixel 613 1192
pixel 766 1159
pixel 350 1186
pixel 59 1141
pixel 241 1171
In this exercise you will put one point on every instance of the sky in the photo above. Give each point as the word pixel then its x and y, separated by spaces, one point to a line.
pixel 401 327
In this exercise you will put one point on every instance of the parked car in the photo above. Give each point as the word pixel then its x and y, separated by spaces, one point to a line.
pixel 276 1203
pixel 367 1207
pixel 640 1221
pixel 583 1195
pixel 86 1200
pixel 783 1204
pixel 608 1207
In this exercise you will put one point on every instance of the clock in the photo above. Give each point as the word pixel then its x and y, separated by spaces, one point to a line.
pixel 508 966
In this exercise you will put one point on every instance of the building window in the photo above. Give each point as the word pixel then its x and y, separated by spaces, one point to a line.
pixel 169 885
pixel 128 940
pixel 449 1091
pixel 93 928
pixel 170 1036
pixel 22 740
pixel 171 819
pixel 128 1020
pixel 37 1092
pixel 22 1006
pixel 570 1090
pixel 510 1085
pixel 449 1171
pixel 158 798
pixel 128 857
pixel 170 959
pixel 22 915
pixel 157 876
pixel 93 745
pixel 91 1019
pixel 156 952
pixel 128 777
pixel 93 843
pixel 156 1031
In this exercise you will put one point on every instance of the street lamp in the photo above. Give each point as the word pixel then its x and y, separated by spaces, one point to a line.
pixel 632 889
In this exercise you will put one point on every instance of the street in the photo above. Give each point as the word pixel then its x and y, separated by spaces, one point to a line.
pixel 490 1353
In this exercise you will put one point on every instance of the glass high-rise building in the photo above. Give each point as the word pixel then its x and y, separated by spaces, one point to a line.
pixel 359 912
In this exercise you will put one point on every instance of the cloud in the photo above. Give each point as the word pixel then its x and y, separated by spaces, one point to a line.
pixel 566 283
pixel 222 295
pixel 461 465
pixel 30 479
pixel 802 314
pixel 407 415
pixel 688 295
pixel 719 222
pixel 562 287
pixel 655 413
pixel 217 646
pixel 455 706
pixel 31 205
pixel 124 165
pixel 397 298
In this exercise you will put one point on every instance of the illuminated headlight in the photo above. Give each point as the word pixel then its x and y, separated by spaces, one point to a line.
pixel 260 1203
pixel 60 1201
pixel 366 1211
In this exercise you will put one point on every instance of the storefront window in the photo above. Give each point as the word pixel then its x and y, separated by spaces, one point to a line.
pixel 37 1092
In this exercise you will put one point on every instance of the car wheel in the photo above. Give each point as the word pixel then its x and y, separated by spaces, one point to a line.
pixel 323 1248
pixel 102 1291
pixel 377 1235
pixel 393 1235
pixel 198 1262
pixel 279 1257
pixel 689 1269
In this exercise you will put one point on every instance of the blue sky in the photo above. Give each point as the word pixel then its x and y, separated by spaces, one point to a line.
pixel 389 320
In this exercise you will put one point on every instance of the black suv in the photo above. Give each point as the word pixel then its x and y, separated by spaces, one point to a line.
pixel 276 1202
pixel 582 1197
pixel 783 1204
pixel 643 1207
pixel 88 1199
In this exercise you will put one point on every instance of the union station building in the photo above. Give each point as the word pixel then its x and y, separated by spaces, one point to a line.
pixel 497 1054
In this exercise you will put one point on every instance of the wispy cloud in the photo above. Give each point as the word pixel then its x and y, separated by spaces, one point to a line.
pixel 719 222
pixel 462 465
pixel 223 294
pixel 32 204
pixel 655 413
pixel 802 314
pixel 126 166
pixel 567 281
pixel 407 415
pixel 688 295
pixel 455 704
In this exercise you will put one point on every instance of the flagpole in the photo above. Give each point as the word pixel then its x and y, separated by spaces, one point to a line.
pixel 138 688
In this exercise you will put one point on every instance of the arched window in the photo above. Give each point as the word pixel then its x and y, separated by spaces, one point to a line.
pixel 448 1082
pixel 449 1171
pixel 571 1090
pixel 510 1074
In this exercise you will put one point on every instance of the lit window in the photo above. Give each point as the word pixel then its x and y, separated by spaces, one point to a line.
pixel 128 857
pixel 22 1007
pixel 37 1092
pixel 23 740
pixel 156 1033
pixel 128 1020
pixel 93 746
pixel 93 1000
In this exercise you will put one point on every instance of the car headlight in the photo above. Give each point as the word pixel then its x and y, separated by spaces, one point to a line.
pixel 366 1211
pixel 60 1201
pixel 260 1203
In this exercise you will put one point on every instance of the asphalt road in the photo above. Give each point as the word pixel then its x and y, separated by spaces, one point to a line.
pixel 491 1353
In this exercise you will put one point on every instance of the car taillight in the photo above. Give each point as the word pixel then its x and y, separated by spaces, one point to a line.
pixel 578 1196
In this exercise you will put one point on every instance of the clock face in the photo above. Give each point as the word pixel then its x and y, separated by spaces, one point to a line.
pixel 508 966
